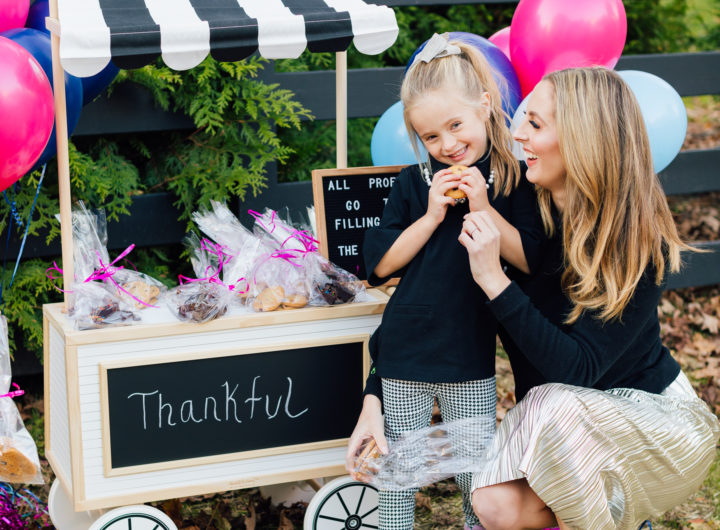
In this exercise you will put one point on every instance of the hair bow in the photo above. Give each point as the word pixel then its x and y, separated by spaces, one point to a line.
pixel 437 46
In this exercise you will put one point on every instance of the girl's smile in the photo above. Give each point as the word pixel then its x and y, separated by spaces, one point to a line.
pixel 452 131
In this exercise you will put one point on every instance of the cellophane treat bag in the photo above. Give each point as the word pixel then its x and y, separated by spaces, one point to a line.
pixel 19 462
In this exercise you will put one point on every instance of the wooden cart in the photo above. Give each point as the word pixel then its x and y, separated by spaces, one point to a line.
pixel 167 409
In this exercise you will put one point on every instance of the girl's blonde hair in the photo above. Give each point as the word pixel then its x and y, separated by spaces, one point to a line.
pixel 616 220
pixel 471 74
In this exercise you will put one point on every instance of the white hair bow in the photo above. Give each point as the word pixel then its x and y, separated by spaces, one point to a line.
pixel 437 46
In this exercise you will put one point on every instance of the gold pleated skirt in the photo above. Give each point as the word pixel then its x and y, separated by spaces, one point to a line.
pixel 605 460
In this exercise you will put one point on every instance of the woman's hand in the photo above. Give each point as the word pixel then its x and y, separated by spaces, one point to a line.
pixel 473 183
pixel 481 238
pixel 370 425
pixel 438 203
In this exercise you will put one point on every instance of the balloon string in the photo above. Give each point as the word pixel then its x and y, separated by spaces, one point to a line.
pixel 22 244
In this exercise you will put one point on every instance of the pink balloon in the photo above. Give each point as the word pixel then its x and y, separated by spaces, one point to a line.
pixel 501 39
pixel 549 35
pixel 26 107
pixel 13 13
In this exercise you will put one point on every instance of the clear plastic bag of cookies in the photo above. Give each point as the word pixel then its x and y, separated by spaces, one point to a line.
pixel 204 297
pixel 138 289
pixel 427 455
pixel 95 306
pixel 332 285
pixel 277 283
pixel 19 462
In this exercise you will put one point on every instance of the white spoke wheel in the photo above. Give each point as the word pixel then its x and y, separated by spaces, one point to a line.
pixel 140 517
pixel 343 504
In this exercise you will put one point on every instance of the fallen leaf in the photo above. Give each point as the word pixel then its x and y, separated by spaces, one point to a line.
pixel 251 517
pixel 285 523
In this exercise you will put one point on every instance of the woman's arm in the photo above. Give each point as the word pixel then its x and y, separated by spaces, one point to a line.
pixel 521 237
pixel 370 425
pixel 579 354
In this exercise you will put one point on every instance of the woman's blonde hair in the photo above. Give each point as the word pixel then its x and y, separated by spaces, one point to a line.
pixel 616 220
pixel 471 74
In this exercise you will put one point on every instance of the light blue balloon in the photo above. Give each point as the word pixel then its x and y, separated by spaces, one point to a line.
pixel 664 114
pixel 390 144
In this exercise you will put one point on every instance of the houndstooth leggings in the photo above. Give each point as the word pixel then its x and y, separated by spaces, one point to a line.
pixel 408 407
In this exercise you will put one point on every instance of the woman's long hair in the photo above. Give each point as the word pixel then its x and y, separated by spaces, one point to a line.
pixel 470 75
pixel 616 220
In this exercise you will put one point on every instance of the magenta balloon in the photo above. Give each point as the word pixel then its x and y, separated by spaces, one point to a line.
pixel 26 107
pixel 501 39
pixel 549 35
pixel 13 13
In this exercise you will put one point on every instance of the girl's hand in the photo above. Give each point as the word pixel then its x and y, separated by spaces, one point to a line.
pixel 481 238
pixel 442 181
pixel 370 425
pixel 473 183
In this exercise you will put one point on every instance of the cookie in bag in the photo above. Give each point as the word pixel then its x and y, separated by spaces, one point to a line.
pixel 14 465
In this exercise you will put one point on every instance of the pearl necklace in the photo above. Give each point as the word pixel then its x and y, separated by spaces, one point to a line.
pixel 426 177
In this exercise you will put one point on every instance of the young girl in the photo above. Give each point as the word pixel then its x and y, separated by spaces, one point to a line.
pixel 437 339
pixel 609 431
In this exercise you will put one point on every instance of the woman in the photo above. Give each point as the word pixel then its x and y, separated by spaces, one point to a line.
pixel 608 431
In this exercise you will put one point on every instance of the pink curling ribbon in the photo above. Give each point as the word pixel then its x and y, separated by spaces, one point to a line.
pixel 104 273
pixel 212 274
pixel 14 393
pixel 259 219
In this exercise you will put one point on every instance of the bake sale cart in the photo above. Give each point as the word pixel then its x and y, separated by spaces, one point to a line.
pixel 165 409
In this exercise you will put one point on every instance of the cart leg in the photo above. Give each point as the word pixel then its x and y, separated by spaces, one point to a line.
pixel 62 513
pixel 343 503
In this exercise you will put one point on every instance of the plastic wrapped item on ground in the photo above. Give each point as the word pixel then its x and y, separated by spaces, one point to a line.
pixel 427 455
pixel 19 461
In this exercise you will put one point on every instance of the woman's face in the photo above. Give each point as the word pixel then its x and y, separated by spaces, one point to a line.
pixel 538 136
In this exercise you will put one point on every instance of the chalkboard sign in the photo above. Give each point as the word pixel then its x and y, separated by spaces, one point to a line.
pixel 348 202
pixel 263 401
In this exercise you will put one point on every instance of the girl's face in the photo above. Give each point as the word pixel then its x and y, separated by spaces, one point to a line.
pixel 452 131
pixel 538 135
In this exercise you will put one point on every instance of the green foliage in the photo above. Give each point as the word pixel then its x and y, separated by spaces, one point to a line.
pixel 23 304
pixel 235 115
pixel 656 26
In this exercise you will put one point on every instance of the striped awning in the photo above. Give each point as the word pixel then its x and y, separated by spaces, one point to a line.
pixel 134 33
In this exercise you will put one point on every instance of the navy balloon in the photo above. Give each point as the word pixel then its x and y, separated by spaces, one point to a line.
pixel 36 16
pixel 500 64
pixel 390 144
pixel 94 85
pixel 38 44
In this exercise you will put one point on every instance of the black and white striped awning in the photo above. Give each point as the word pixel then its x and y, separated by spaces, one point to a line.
pixel 134 33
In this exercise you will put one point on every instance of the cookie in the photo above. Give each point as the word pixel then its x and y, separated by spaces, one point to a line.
pixel 15 466
pixel 269 299
pixel 143 291
pixel 295 301
pixel 365 463
pixel 456 193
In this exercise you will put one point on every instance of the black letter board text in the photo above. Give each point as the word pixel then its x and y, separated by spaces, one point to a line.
pixel 219 405
pixel 348 202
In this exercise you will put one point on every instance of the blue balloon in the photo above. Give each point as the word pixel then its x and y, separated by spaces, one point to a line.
pixel 664 114
pixel 37 44
pixel 500 64
pixel 390 144
pixel 36 16
pixel 94 85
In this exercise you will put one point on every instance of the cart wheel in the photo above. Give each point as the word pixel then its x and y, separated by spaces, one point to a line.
pixel 343 504
pixel 62 513
pixel 139 517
